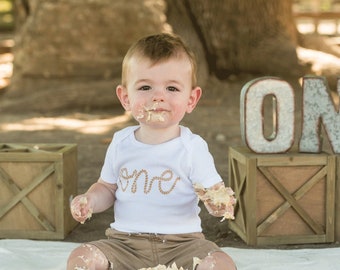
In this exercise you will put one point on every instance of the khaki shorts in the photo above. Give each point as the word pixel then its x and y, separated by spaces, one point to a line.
pixel 132 251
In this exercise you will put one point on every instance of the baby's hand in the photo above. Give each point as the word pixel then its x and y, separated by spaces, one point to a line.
pixel 219 200
pixel 81 209
pixel 225 210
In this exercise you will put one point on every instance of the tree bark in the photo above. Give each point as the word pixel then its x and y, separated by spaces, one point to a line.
pixel 180 20
pixel 59 43
pixel 242 36
pixel 65 46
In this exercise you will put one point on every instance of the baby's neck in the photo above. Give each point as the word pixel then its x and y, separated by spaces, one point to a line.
pixel 150 135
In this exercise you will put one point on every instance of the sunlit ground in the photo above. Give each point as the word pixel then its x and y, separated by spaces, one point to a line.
pixel 98 124
pixel 81 123
pixel 318 58
pixel 6 68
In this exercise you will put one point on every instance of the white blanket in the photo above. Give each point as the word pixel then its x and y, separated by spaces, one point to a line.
pixel 50 255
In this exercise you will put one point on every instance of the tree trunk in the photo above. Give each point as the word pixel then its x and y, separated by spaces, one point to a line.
pixel 68 45
pixel 178 17
pixel 257 36
pixel 75 48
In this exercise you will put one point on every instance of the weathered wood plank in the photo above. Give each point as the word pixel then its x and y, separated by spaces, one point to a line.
pixel 283 198
pixel 30 173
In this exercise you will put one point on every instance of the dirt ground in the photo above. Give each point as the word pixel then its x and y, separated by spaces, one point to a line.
pixel 216 119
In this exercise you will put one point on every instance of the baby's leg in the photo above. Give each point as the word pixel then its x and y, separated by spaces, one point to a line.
pixel 87 257
pixel 217 261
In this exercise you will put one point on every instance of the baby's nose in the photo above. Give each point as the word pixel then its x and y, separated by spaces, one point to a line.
pixel 158 96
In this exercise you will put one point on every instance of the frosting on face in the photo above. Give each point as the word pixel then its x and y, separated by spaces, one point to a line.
pixel 150 113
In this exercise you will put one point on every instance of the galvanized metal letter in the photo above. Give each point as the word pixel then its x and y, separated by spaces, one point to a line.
pixel 252 120
pixel 319 108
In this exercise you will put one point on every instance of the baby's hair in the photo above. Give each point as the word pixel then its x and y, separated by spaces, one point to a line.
pixel 157 48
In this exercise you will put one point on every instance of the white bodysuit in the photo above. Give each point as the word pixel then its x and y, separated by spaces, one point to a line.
pixel 155 182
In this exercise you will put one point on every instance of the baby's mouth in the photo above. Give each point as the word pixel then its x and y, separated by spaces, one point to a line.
pixel 152 113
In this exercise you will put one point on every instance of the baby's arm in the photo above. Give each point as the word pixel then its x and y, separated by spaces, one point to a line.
pixel 218 199
pixel 99 197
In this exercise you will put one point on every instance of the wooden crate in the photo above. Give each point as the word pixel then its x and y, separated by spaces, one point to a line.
pixel 283 198
pixel 36 182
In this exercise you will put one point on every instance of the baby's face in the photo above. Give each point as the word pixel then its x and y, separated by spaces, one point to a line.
pixel 160 94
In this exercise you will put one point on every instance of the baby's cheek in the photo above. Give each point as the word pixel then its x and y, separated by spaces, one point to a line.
pixel 139 115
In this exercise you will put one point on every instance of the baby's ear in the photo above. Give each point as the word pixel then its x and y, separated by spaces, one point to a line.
pixel 123 97
pixel 195 96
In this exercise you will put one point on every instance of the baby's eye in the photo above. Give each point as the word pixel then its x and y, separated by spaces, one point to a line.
pixel 144 88
pixel 172 89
